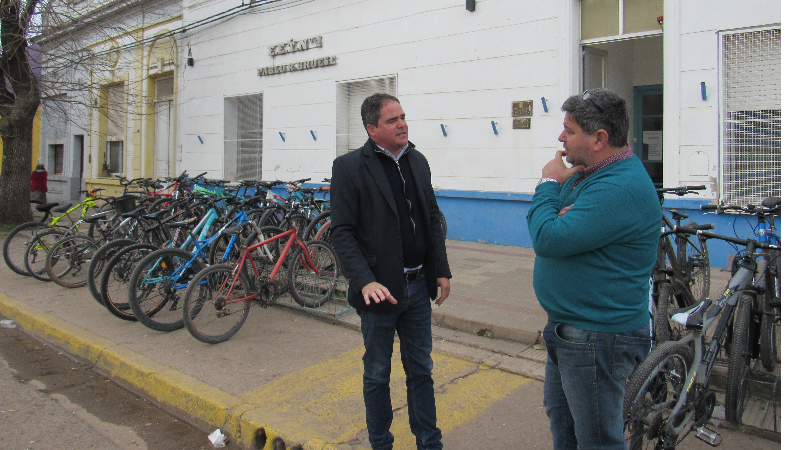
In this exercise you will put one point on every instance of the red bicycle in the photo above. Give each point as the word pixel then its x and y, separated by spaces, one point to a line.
pixel 218 299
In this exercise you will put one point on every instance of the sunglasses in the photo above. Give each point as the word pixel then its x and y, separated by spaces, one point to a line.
pixel 587 96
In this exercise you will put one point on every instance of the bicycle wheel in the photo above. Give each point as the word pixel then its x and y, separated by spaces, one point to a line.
pixel 695 267
pixel 770 314
pixel 313 278
pixel 98 263
pixel 651 394
pixel 444 224
pixel 739 359
pixel 68 261
pixel 15 244
pixel 116 276
pixel 227 248
pixel 672 295
pixel 215 304
pixel 36 253
pixel 314 227
pixel 157 284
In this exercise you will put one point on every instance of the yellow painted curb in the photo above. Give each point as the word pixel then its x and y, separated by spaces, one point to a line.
pixel 164 384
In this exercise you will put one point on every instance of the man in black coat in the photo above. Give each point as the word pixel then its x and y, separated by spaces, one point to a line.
pixel 388 235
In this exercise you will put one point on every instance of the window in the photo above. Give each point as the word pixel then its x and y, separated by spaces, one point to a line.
pixel 603 18
pixel 114 156
pixel 751 116
pixel 350 132
pixel 57 158
pixel 244 132
pixel 115 114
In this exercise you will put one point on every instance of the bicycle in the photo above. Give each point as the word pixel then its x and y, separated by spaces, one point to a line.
pixel 682 274
pixel 218 299
pixel 768 305
pixel 18 239
pixel 667 397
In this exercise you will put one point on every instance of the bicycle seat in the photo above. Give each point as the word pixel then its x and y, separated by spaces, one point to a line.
pixel 62 208
pixel 136 212
pixel 236 229
pixel 676 215
pixel 157 215
pixel 769 202
pixel 691 316
pixel 44 207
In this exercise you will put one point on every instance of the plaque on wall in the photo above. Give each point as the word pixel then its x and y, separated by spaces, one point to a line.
pixel 521 108
pixel 522 124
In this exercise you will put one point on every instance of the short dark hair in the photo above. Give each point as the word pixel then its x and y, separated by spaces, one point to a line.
pixel 602 109
pixel 371 108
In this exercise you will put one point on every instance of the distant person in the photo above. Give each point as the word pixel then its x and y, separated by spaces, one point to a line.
pixel 595 230
pixel 39 185
pixel 387 233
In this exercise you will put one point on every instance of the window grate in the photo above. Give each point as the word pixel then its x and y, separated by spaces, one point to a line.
pixel 244 143
pixel 350 132
pixel 751 144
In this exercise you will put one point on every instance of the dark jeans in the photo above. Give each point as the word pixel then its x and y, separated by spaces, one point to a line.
pixel 584 384
pixel 412 321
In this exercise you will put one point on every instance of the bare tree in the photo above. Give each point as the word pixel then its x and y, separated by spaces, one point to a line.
pixel 19 101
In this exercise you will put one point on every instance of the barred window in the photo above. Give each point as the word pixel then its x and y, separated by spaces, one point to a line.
pixel 350 132
pixel 751 115
pixel 244 133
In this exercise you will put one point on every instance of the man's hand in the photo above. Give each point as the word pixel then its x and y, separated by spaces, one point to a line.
pixel 378 293
pixel 444 286
pixel 564 211
pixel 557 170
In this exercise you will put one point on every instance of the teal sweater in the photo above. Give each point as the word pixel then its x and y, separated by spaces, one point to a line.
pixel 593 264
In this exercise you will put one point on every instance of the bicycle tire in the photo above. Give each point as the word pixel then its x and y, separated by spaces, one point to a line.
pixel 67 259
pixel 770 314
pixel 313 228
pixel 155 288
pixel 272 216
pixel 116 276
pixel 15 244
pixel 672 295
pixel 217 248
pixel 444 224
pixel 695 265
pixel 98 263
pixel 652 392
pixel 36 253
pixel 739 359
pixel 209 313
pixel 313 282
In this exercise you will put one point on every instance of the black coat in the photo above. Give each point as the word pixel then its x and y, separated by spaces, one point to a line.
pixel 365 228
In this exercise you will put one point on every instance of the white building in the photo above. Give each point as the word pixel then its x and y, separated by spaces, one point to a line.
pixel 272 90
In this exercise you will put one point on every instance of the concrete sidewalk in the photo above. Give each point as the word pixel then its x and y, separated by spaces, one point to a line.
pixel 295 377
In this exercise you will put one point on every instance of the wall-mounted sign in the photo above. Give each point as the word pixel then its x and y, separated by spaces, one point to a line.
pixel 294 67
pixel 522 108
pixel 522 124
pixel 295 46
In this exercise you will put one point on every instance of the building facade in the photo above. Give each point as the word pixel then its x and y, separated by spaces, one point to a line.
pixel 272 89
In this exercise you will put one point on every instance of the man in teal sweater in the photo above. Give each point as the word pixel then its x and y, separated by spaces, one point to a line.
pixel 595 230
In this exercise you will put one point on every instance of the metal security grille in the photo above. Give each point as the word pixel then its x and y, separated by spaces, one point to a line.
pixel 751 153
pixel 350 132
pixel 244 132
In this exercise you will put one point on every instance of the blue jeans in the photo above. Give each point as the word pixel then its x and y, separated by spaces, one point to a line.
pixel 412 321
pixel 584 384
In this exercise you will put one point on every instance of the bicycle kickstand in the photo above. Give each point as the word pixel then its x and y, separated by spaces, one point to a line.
pixel 709 436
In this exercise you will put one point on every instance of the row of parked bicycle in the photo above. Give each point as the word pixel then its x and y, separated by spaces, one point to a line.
pixel 668 396
pixel 193 253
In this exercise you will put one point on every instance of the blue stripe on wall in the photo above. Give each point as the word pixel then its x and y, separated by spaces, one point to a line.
pixel 499 218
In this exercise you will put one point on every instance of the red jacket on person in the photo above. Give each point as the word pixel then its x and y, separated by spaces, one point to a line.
pixel 39 181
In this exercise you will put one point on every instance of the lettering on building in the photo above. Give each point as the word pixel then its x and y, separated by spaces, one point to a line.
pixel 295 46
pixel 294 67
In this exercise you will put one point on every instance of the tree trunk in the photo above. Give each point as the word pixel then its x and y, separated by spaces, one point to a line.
pixel 17 164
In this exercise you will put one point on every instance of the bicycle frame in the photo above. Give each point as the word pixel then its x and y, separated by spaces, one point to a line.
pixel 705 355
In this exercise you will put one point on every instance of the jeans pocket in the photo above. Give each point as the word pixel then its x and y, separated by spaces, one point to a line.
pixel 629 351
pixel 575 346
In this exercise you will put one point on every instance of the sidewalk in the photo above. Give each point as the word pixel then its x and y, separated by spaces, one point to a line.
pixel 295 377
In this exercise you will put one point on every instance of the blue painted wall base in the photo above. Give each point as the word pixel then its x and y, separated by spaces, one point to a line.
pixel 499 218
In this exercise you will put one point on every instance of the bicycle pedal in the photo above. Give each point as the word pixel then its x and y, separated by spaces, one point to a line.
pixel 709 436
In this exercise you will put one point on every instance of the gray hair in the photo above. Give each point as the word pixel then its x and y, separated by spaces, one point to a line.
pixel 603 109
pixel 371 108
